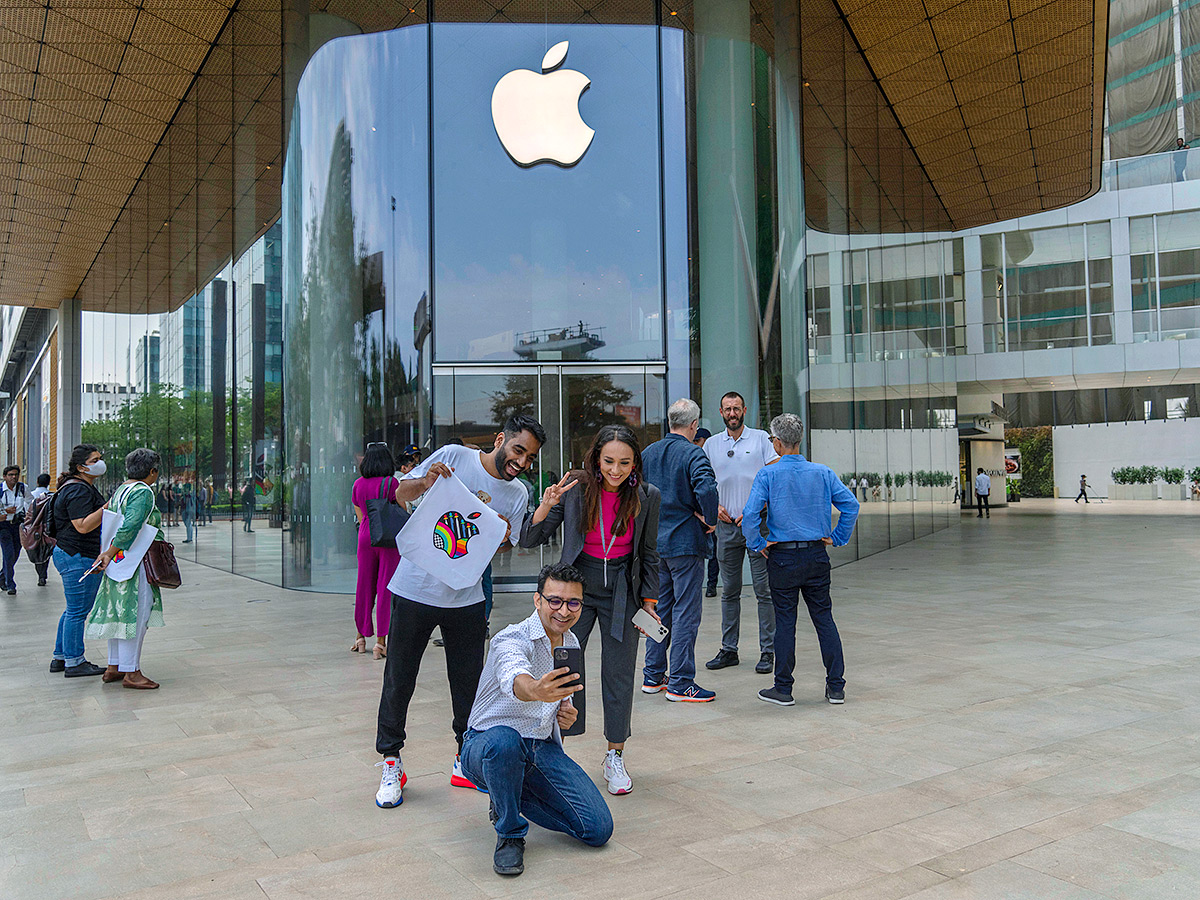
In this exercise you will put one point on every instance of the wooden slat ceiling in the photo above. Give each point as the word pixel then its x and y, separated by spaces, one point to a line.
pixel 140 140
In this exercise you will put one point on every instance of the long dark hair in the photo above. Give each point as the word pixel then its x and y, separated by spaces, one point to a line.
pixel 377 462
pixel 79 457
pixel 628 501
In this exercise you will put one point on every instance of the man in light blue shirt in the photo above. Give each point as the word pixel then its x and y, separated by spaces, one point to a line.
pixel 798 495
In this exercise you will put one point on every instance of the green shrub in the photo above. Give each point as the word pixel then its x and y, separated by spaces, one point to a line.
pixel 1194 475
pixel 1172 475
pixel 1037 459
pixel 901 479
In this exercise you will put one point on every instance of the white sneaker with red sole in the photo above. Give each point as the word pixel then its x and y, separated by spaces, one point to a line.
pixel 458 779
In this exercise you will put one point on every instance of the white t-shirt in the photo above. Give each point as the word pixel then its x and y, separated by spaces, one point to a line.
pixel 983 484
pixel 508 498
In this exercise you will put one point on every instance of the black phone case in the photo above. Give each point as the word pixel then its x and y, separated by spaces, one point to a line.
pixel 580 725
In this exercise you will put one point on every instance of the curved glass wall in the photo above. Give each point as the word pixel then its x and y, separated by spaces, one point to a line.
pixel 419 283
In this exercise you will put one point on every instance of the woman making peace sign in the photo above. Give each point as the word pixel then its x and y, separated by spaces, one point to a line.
pixel 611 535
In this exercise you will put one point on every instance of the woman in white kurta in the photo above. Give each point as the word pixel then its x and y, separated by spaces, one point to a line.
pixel 125 609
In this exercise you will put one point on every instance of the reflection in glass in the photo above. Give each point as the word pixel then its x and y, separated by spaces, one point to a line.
pixel 565 262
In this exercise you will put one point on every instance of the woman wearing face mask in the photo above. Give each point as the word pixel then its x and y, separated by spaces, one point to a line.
pixel 77 509
pixel 609 515
pixel 124 609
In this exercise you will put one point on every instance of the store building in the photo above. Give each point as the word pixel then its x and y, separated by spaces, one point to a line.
pixel 406 223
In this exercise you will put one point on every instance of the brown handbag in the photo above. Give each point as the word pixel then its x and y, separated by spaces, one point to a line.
pixel 161 568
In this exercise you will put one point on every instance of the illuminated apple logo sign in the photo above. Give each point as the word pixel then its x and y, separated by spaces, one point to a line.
pixel 537 115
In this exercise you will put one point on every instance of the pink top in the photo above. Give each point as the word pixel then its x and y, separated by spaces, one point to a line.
pixel 364 489
pixel 594 542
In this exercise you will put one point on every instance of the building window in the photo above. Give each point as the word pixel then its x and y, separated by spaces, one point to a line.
pixel 1056 289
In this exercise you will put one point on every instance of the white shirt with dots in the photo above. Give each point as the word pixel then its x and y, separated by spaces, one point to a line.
pixel 523 648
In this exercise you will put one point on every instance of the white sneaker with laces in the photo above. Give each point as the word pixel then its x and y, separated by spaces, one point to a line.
pixel 618 779
pixel 391 785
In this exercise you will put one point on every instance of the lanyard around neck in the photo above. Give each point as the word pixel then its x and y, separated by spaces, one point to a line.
pixel 606 548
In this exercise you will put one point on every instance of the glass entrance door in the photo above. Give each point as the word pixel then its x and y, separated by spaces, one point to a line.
pixel 572 402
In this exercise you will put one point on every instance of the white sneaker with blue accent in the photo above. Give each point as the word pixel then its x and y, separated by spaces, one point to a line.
pixel 391 785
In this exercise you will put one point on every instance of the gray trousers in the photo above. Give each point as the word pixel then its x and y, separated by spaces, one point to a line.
pixel 731 551
pixel 618 659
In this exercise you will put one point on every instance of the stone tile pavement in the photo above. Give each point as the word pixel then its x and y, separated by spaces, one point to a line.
pixel 1022 721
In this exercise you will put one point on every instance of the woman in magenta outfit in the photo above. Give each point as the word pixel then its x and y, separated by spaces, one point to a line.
pixel 376 565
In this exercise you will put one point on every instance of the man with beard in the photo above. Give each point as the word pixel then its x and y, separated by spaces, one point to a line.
pixel 737 454
pixel 421 602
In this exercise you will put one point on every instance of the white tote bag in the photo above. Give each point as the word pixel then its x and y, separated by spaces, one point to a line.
pixel 452 535
pixel 123 567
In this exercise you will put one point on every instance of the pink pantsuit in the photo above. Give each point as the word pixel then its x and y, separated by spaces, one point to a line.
pixel 376 565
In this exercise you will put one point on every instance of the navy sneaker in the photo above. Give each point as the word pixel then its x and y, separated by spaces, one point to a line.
pixel 693 693
pixel 650 686
pixel 776 696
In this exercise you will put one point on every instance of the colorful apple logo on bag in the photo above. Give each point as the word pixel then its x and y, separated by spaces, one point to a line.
pixel 452 531
pixel 537 115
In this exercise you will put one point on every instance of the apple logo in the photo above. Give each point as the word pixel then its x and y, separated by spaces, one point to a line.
pixel 537 115
pixel 453 531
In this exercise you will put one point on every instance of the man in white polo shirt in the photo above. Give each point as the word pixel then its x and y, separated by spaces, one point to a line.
pixel 737 454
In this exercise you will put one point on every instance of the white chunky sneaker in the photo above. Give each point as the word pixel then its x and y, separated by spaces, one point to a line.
pixel 391 785
pixel 618 779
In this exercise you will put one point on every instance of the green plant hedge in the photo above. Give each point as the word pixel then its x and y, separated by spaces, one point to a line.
pixel 1172 475
pixel 1194 475
pixel 1136 475
pixel 1037 459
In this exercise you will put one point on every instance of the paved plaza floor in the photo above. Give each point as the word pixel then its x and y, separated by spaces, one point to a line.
pixel 1022 721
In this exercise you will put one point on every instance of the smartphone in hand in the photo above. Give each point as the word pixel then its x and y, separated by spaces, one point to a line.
pixel 650 626
pixel 572 658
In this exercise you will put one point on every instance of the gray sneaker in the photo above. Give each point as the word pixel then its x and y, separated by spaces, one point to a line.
pixel 776 696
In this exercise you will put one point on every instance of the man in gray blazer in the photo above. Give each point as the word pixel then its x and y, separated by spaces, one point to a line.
pixel 684 476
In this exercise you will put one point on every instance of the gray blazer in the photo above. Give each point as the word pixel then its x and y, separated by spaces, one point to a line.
pixel 643 567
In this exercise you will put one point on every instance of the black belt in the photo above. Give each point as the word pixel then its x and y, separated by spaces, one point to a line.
pixel 796 545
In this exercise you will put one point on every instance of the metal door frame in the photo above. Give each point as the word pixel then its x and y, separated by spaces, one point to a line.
pixel 540 369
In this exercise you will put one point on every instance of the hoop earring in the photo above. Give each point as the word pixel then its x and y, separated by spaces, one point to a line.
pixel 633 479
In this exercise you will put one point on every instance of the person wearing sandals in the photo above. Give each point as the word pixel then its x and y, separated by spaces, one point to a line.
pixel 609 514
pixel 376 565
pixel 125 609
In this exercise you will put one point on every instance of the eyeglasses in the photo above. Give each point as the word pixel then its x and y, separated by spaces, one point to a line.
pixel 376 444
pixel 556 603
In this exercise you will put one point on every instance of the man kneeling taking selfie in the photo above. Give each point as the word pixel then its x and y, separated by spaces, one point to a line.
pixel 513 745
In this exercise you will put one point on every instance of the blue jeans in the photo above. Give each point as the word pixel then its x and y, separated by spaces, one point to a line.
pixel 679 606
pixel 10 548
pixel 188 519
pixel 80 597
pixel 803 570
pixel 528 777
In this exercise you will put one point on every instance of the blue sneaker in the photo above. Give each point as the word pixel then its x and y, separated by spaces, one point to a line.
pixel 650 686
pixel 693 693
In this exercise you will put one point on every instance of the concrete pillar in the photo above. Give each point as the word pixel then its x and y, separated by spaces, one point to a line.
pixel 973 291
pixel 70 379
pixel 729 316
pixel 1122 282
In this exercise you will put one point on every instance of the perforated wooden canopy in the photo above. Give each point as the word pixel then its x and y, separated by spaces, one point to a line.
pixel 141 141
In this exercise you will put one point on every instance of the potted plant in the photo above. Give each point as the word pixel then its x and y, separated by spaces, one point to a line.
pixel 1173 483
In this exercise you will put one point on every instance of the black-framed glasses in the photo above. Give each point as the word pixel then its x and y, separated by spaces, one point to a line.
pixel 556 602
